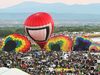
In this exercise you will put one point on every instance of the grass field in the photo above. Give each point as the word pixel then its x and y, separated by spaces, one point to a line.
pixel 86 28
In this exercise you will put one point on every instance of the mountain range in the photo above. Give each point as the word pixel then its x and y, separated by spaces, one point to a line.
pixel 59 11
pixel 30 6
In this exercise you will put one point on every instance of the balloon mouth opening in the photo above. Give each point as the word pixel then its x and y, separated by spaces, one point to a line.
pixel 44 31
pixel 55 47
pixel 10 46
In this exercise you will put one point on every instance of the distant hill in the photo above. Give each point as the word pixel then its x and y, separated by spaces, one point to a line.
pixel 60 12
pixel 27 7
pixel 56 16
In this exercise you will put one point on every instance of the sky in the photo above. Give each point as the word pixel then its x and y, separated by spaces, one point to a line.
pixel 9 3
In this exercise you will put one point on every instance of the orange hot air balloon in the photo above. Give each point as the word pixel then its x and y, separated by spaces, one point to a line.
pixel 39 27
pixel 58 43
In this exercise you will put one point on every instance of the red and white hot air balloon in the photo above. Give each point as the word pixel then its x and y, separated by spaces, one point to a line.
pixel 39 27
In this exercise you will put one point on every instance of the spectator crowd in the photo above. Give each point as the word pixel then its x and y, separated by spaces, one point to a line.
pixel 41 62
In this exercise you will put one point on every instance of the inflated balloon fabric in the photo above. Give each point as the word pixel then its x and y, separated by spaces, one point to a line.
pixel 59 43
pixel 81 44
pixel 16 43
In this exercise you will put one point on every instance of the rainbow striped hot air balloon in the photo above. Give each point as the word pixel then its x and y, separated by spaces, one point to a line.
pixel 81 43
pixel 16 43
pixel 58 43
pixel 95 47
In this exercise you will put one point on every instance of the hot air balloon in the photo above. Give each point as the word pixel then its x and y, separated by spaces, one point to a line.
pixel 81 43
pixel 39 27
pixel 95 47
pixel 16 43
pixel 59 43
pixel 0 43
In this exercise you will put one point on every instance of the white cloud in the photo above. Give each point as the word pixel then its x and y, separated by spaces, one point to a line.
pixel 68 1
pixel 8 3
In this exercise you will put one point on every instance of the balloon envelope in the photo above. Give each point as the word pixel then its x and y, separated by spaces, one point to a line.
pixel 58 43
pixel 94 47
pixel 39 27
pixel 81 43
pixel 1 43
pixel 16 42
